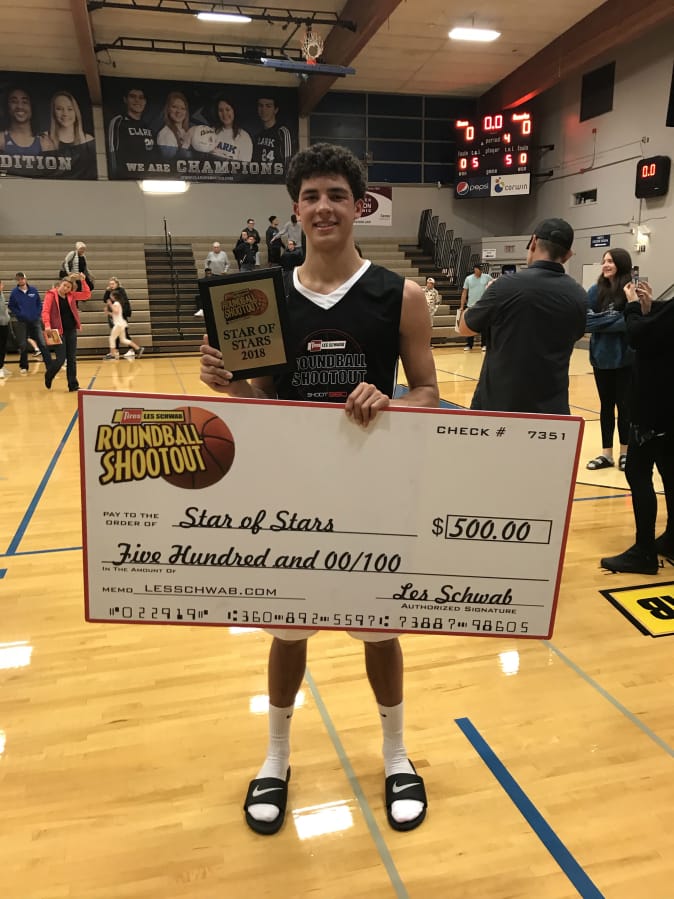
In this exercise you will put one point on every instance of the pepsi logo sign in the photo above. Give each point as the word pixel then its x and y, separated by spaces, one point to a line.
pixel 462 188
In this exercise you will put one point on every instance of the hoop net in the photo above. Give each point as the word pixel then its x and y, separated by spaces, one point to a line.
pixel 312 47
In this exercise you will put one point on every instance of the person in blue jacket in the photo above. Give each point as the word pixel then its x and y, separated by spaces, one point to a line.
pixel 25 305
pixel 610 354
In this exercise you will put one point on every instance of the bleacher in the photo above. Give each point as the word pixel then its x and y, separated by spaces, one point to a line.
pixel 163 302
pixel 442 255
pixel 123 257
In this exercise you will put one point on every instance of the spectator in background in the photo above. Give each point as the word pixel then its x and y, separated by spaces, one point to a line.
pixel 20 137
pixel 273 143
pixel 610 353
pixel 273 247
pixel 114 284
pixel 217 261
pixel 432 296
pixel 292 257
pixel 231 141
pixel 61 314
pixel 292 230
pixel 534 317
pixel 119 328
pixel 245 252
pixel 26 307
pixel 67 134
pixel 175 137
pixel 197 297
pixel 252 231
pixel 75 263
pixel 650 331
pixel 4 331
pixel 473 288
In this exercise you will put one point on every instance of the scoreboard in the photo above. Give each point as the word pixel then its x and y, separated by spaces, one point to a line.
pixel 493 155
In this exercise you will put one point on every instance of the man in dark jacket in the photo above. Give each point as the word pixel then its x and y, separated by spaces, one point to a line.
pixel 245 252
pixel 650 329
pixel 26 307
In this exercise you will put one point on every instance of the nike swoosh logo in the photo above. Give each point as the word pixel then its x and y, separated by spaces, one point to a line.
pixel 258 792
pixel 398 789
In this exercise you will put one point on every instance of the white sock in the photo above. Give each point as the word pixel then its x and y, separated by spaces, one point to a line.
pixel 276 762
pixel 396 761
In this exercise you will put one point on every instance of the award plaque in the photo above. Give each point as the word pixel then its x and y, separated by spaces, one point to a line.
pixel 245 316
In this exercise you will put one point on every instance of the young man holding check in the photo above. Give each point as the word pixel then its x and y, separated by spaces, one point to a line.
pixel 376 317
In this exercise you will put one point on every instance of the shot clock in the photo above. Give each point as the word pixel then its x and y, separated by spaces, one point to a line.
pixel 493 155
pixel 652 177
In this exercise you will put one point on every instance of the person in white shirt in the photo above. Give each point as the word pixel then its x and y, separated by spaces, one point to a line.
pixel 119 326
pixel 473 288
pixel 217 260
pixel 432 296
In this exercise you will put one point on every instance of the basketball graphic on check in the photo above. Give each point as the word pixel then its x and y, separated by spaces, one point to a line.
pixel 208 462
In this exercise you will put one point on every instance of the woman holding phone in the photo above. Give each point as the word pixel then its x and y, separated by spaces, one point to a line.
pixel 610 354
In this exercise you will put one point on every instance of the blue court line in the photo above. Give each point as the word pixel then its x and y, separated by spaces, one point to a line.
pixel 575 873
pixel 3 572
pixel 41 552
pixel 30 511
pixel 614 702
pixel 379 841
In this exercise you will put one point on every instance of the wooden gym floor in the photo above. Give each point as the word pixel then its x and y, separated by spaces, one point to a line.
pixel 125 752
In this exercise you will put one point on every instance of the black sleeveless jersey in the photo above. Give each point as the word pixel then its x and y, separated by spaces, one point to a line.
pixel 336 349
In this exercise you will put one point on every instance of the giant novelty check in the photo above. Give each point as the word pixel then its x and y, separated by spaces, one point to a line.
pixel 200 510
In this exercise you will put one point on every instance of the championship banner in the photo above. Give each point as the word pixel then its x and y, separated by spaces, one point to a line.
pixel 200 510
pixel 46 127
pixel 196 131
pixel 378 207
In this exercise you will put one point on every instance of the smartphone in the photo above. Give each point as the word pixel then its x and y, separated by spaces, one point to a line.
pixel 635 275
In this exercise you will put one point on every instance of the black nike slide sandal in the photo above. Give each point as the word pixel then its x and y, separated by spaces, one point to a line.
pixel 405 786
pixel 270 791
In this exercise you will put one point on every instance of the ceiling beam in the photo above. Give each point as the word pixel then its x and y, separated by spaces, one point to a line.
pixel 342 47
pixel 85 44
pixel 612 25
pixel 270 14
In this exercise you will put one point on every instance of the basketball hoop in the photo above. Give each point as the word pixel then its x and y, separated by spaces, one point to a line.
pixel 312 47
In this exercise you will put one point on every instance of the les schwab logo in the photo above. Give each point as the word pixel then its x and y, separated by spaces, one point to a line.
pixel 189 447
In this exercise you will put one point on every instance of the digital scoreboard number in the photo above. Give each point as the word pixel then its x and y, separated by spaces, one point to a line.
pixel 493 155
pixel 652 177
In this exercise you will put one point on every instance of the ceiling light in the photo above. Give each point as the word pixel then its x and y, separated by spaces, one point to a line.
pixel 223 17
pixel 163 187
pixel 474 34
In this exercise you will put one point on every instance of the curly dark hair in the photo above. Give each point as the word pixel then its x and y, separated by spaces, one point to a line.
pixel 612 293
pixel 325 159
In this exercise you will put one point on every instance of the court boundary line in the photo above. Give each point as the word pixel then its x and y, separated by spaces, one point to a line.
pixel 37 496
pixel 572 869
pixel 631 717
pixel 375 832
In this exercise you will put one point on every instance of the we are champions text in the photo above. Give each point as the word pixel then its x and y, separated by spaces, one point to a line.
pixel 143 443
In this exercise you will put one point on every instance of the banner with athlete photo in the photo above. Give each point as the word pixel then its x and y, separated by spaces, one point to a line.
pixel 46 127
pixel 199 131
